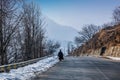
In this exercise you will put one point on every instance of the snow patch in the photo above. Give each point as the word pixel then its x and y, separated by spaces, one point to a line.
pixel 30 71
pixel 113 58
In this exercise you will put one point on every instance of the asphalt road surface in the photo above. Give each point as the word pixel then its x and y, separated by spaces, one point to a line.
pixel 83 68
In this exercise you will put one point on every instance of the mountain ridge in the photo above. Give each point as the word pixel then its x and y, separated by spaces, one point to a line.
pixel 60 32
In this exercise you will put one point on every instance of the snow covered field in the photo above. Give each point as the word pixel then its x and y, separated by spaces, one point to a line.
pixel 30 71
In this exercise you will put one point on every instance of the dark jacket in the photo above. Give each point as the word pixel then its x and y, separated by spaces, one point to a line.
pixel 60 55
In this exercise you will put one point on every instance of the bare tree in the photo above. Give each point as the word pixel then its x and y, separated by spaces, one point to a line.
pixel 33 31
pixel 79 40
pixel 9 21
pixel 86 33
pixel 116 15
pixel 52 46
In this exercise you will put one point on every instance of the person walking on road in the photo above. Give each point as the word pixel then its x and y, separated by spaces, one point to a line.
pixel 60 55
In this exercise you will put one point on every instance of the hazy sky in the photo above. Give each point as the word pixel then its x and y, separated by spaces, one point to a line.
pixel 77 13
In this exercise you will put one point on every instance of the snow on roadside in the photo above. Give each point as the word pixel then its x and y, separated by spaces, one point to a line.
pixel 30 71
pixel 113 58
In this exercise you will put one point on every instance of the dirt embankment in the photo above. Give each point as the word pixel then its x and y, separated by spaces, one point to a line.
pixel 108 37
